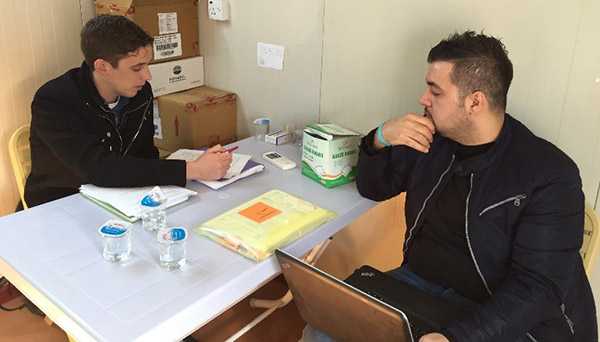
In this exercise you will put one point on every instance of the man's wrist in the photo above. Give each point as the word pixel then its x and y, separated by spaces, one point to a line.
pixel 380 138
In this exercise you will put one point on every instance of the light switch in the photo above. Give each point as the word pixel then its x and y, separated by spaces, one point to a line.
pixel 218 10
pixel 270 56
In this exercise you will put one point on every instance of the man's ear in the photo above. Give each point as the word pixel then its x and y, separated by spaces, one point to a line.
pixel 102 66
pixel 476 102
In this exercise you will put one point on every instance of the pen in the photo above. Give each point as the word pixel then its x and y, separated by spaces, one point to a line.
pixel 231 149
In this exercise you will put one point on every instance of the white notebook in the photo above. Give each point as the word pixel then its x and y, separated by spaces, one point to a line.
pixel 242 166
pixel 125 202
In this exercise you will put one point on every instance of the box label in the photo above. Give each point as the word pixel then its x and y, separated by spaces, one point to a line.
pixel 156 120
pixel 167 23
pixel 167 46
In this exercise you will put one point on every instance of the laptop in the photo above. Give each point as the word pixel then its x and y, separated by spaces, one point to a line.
pixel 363 308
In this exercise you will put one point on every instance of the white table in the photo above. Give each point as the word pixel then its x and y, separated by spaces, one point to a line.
pixel 52 253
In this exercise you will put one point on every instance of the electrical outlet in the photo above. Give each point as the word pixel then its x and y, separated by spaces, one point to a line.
pixel 218 10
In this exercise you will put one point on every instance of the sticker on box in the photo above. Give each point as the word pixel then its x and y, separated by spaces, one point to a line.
pixel 156 120
pixel 167 23
pixel 167 46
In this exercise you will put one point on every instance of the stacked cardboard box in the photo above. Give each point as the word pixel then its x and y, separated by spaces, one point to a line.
pixel 177 64
pixel 199 117
pixel 186 114
pixel 172 23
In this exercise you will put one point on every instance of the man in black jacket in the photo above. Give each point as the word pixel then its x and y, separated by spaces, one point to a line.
pixel 94 123
pixel 494 214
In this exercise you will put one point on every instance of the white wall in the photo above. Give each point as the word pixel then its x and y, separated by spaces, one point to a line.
pixel 374 64
pixel 229 48
pixel 39 40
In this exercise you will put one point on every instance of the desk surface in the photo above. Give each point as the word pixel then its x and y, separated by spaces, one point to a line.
pixel 54 249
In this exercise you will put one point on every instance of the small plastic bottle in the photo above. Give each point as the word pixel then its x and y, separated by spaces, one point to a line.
pixel 154 216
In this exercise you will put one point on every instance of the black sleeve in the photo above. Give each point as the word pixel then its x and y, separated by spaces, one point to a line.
pixel 63 134
pixel 383 173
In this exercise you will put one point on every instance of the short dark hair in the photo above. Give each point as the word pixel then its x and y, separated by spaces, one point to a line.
pixel 111 37
pixel 480 64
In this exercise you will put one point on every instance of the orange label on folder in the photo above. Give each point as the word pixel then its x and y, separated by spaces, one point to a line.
pixel 259 212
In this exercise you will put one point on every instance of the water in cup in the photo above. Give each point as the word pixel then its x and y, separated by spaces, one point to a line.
pixel 260 128
pixel 171 244
pixel 116 240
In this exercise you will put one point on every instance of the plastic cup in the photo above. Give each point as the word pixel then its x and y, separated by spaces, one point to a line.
pixel 171 245
pixel 116 240
pixel 260 128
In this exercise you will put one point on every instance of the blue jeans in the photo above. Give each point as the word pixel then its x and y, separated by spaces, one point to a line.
pixel 404 274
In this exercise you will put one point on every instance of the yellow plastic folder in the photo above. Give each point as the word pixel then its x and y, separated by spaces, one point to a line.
pixel 258 227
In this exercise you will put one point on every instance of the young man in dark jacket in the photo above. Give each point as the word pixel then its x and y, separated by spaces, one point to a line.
pixel 494 214
pixel 94 123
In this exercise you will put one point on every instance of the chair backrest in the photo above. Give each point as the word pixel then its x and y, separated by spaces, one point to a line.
pixel 20 158
pixel 591 240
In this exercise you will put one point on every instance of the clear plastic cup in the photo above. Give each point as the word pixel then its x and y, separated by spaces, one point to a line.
pixel 260 128
pixel 171 245
pixel 116 240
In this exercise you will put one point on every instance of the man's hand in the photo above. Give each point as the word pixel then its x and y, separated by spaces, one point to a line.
pixel 433 337
pixel 211 165
pixel 411 130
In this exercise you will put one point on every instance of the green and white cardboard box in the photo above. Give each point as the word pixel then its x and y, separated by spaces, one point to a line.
pixel 329 154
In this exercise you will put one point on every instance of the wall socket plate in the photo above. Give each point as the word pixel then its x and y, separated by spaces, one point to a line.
pixel 218 10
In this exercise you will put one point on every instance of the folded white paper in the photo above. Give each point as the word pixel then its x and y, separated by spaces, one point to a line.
pixel 125 202
pixel 242 166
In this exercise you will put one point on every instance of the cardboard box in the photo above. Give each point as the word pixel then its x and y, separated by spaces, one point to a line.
pixel 174 76
pixel 172 23
pixel 199 117
pixel 278 138
pixel 329 154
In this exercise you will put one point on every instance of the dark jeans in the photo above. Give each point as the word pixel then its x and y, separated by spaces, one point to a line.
pixel 404 274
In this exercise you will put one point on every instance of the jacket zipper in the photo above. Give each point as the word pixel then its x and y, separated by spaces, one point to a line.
pixel 515 199
pixel 487 288
pixel 139 126
pixel 485 283
pixel 124 152
pixel 425 203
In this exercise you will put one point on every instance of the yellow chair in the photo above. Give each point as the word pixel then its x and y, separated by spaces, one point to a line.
pixel 20 158
pixel 591 237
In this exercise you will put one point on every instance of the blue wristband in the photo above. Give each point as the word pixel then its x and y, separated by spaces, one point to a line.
pixel 380 138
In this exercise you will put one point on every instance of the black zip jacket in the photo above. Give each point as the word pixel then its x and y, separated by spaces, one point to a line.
pixel 75 141
pixel 524 228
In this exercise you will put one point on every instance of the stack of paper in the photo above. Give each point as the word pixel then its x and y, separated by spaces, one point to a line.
pixel 258 227
pixel 241 166
pixel 125 202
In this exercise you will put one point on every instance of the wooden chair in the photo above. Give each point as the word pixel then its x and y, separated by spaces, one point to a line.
pixel 591 239
pixel 20 158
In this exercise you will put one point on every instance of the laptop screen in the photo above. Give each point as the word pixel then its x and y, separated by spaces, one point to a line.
pixel 338 309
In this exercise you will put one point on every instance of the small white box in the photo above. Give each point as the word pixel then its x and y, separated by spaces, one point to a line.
pixel 174 76
pixel 278 138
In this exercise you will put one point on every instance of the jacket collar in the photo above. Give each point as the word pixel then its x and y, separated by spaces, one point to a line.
pixel 86 83
pixel 90 92
pixel 482 162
